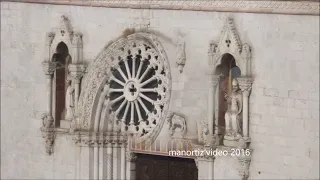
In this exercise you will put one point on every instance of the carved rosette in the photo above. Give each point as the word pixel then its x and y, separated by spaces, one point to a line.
pixel 130 83
pixel 86 139
pixel 244 165
pixel 245 84
pixel 76 72
pixel 48 67
pixel 131 157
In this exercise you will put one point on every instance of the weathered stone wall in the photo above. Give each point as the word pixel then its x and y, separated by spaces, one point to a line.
pixel 284 103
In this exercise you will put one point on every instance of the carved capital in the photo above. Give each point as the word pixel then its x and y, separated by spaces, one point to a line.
pixel 130 156
pixel 246 51
pixel 212 48
pixel 76 71
pixel 215 81
pixel 244 165
pixel 48 67
pixel 245 85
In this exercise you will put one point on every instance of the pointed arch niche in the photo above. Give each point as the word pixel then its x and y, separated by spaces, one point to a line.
pixel 230 63
pixel 64 69
pixel 229 60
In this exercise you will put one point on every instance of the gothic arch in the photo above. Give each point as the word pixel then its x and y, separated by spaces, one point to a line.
pixel 95 102
pixel 230 43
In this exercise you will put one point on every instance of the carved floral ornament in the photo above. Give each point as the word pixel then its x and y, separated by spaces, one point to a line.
pixel 134 74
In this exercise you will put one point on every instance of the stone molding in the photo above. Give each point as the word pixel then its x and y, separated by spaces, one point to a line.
pixel 245 6
pixel 91 139
pixel 101 71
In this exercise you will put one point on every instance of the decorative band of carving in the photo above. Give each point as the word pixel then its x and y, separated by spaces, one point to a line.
pixel 99 139
pixel 257 6
pixel 130 156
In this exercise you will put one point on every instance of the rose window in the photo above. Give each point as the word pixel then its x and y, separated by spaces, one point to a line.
pixel 138 87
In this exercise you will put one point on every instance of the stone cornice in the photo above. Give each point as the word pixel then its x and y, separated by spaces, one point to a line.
pixel 253 6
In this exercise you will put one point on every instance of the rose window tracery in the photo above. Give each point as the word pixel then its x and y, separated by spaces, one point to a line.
pixel 138 87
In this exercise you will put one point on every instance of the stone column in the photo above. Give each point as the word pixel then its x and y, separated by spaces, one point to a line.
pixel 123 152
pixel 109 161
pixel 245 85
pixel 115 160
pixel 96 162
pixel 77 48
pixel 215 85
pixel 131 166
pixel 49 68
pixel 205 164
pixel 76 73
pixel 211 104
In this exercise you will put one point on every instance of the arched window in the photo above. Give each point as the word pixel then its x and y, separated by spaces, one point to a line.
pixel 62 59
pixel 227 70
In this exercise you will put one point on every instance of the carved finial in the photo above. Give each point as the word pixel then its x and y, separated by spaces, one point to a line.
pixel 246 51
pixel 49 38
pixel 181 54
pixel 77 39
pixel 64 26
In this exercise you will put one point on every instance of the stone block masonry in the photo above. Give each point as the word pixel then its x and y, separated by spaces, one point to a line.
pixel 284 114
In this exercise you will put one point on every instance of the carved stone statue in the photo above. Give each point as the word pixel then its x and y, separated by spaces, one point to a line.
pixel 69 100
pixel 177 125
pixel 233 116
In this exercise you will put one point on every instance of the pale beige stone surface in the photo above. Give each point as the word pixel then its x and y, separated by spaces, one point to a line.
pixel 284 103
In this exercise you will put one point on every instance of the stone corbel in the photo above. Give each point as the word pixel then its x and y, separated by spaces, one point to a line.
pixel 47 131
pixel 244 165
pixel 181 53
pixel 204 161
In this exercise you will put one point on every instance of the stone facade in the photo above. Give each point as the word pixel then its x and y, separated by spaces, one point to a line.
pixel 283 104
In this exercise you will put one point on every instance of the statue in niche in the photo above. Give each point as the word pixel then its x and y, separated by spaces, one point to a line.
pixel 233 116
pixel 69 100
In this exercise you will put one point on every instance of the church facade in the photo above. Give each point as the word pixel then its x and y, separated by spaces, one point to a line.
pixel 160 89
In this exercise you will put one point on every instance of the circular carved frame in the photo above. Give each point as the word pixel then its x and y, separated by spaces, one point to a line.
pixel 102 70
